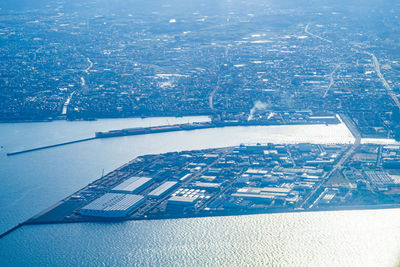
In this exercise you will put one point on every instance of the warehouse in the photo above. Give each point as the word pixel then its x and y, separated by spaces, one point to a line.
pixel 262 193
pixel 179 203
pixel 163 189
pixel 132 185
pixel 185 198
pixel 207 186
pixel 113 205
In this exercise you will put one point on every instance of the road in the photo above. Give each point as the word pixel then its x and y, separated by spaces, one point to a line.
pixel 90 66
pixel 331 80
pixel 65 106
pixel 379 157
pixel 291 157
pixel 357 136
pixel 354 131
pixel 314 35
pixel 389 90
pixel 211 98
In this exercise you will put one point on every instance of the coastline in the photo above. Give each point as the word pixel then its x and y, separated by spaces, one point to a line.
pixel 206 214
pixel 144 116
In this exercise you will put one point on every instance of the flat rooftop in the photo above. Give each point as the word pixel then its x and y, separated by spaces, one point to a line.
pixel 207 185
pixel 263 190
pixel 113 202
pixel 182 200
pixel 163 188
pixel 132 185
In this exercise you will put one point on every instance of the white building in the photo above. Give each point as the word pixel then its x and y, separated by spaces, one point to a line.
pixel 113 205
pixel 132 185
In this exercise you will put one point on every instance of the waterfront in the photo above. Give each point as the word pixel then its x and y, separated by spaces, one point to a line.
pixel 340 238
pixel 61 171
pixel 239 239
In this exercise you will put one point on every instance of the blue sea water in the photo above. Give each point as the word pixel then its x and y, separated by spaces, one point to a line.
pixel 32 182
pixel 341 238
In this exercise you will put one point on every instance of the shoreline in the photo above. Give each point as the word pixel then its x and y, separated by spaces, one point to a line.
pixel 207 214
pixel 161 115
pixel 176 116
pixel 216 213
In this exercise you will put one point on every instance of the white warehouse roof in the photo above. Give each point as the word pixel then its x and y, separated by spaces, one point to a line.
pixel 132 185
pixel 162 189
pixel 181 200
pixel 113 205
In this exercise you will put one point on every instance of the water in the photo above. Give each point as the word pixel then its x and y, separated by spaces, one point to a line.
pixel 31 182
pixel 343 238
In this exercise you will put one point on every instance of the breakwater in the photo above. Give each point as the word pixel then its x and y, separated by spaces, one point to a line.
pixel 49 146
pixel 180 127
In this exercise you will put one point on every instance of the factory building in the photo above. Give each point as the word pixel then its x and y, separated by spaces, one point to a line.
pixel 132 185
pixel 327 198
pixel 182 201
pixel 178 203
pixel 163 189
pixel 185 198
pixel 207 186
pixel 379 178
pixel 113 205
pixel 262 193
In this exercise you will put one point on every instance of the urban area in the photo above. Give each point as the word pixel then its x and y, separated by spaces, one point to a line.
pixel 229 65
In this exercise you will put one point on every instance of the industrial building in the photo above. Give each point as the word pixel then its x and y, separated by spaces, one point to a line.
pixel 207 186
pixel 132 185
pixel 185 198
pixel 113 205
pixel 177 203
pixel 327 197
pixel 163 189
pixel 260 193
pixel 182 201
pixel 379 178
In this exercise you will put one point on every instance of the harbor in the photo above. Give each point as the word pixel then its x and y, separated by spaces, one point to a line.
pixel 181 127
pixel 246 179
pixel 87 159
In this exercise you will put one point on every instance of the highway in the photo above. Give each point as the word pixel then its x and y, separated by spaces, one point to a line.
pixel 65 106
pixel 331 80
pixel 389 90
pixel 357 136
pixel 314 35
pixel 90 66
pixel 379 157
pixel 211 98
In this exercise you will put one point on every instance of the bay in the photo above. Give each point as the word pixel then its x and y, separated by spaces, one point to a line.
pixel 32 182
